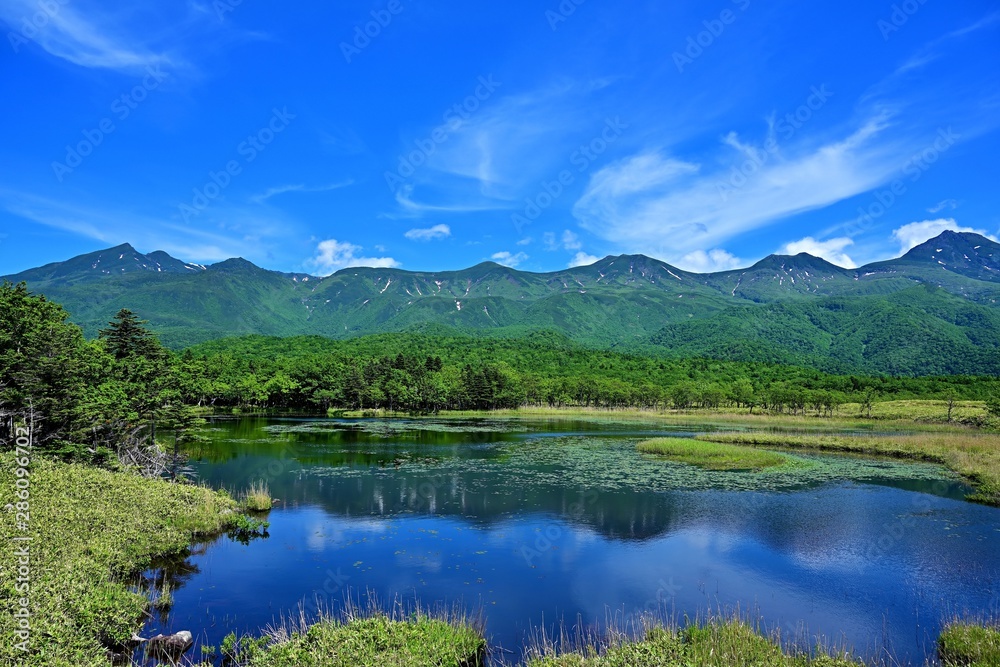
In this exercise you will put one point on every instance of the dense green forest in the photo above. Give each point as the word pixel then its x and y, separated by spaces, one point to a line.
pixel 91 398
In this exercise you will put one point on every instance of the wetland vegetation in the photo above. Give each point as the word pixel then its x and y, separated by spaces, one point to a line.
pixel 711 455
pixel 974 455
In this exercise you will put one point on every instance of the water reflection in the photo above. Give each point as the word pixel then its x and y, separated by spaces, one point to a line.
pixel 541 521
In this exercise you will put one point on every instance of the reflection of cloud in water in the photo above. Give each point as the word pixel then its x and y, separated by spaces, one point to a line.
pixel 336 532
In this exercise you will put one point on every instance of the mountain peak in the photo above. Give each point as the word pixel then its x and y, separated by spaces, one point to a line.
pixel 801 261
pixel 965 253
pixel 234 264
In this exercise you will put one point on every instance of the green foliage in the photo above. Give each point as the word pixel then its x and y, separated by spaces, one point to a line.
pixel 86 400
pixel 964 644
pixel 993 406
pixel 424 374
pixel 245 529
pixel 127 338
pixel 91 531
pixel 914 332
pixel 378 641
pixel 720 644
pixel 712 456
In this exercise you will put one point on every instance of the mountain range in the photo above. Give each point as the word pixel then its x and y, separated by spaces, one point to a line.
pixel 932 311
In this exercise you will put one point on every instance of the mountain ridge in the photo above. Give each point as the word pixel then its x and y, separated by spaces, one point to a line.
pixel 623 301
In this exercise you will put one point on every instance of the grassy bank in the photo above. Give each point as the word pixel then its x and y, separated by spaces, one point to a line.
pixel 91 531
pixel 886 416
pixel 729 644
pixel 711 455
pixel 421 641
pixel 969 645
pixel 975 456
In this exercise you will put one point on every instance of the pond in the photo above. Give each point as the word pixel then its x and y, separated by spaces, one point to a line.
pixel 541 523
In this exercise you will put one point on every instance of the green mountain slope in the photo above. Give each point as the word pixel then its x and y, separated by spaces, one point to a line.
pixel 933 310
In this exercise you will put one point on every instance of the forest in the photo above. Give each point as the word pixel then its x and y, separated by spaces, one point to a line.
pixel 90 396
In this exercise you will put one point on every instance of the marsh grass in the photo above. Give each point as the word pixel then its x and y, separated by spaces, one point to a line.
pixel 164 598
pixel 712 455
pixel 966 644
pixel 366 635
pixel 92 532
pixel 722 642
pixel 257 498
pixel 975 456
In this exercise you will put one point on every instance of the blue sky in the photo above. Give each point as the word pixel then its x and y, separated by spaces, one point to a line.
pixel 537 134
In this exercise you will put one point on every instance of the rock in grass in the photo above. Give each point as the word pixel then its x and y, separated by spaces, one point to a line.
pixel 170 647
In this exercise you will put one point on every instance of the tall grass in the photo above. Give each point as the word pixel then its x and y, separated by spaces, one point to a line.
pixel 723 642
pixel 964 644
pixel 976 456
pixel 366 635
pixel 257 498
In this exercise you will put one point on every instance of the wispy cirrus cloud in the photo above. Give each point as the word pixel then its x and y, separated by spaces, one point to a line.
pixel 83 33
pixel 655 201
pixel 429 234
pixel 285 189
pixel 500 152
pixel 235 233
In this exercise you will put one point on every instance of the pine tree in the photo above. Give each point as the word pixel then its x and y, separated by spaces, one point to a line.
pixel 127 337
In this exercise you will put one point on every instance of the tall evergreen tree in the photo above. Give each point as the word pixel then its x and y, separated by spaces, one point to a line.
pixel 126 337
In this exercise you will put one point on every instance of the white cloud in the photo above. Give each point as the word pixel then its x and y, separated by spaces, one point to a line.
pixel 567 241
pixel 85 36
pixel 911 235
pixel 430 234
pixel 415 209
pixel 332 256
pixel 940 206
pixel 571 241
pixel 283 189
pixel 712 261
pixel 507 259
pixel 582 259
pixel 831 250
pixel 656 203
pixel 525 241
pixel 491 148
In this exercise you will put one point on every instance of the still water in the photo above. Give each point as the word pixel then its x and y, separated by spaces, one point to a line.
pixel 539 523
